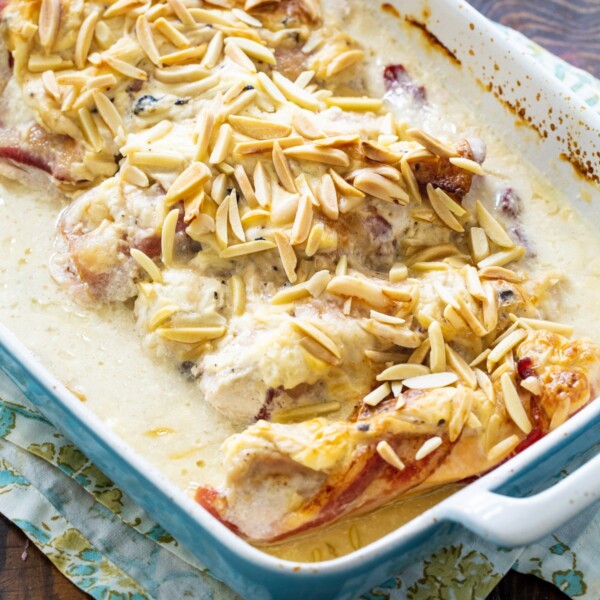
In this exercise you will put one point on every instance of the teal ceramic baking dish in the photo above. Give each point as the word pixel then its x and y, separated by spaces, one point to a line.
pixel 521 501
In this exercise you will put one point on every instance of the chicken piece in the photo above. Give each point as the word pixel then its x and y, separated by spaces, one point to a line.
pixel 441 173
pixel 96 234
pixel 312 473
pixel 285 479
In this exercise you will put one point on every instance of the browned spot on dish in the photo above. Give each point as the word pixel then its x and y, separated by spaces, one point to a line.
pixel 433 39
pixel 583 168
pixel 391 10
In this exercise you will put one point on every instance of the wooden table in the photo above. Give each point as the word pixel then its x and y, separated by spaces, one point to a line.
pixel 569 28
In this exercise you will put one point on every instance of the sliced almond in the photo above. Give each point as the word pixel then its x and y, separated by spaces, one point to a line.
pixel 287 255
pixel 260 129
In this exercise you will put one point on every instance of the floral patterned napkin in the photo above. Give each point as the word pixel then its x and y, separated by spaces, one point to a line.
pixel 107 546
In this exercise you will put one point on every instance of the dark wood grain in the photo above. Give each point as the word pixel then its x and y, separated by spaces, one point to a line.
pixel 26 574
pixel 570 29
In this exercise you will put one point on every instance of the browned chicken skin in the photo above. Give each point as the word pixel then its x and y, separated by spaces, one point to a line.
pixel 270 468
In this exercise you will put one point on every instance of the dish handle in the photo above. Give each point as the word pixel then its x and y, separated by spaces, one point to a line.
pixel 513 522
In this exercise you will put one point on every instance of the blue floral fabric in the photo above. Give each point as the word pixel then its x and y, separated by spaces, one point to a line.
pixel 107 546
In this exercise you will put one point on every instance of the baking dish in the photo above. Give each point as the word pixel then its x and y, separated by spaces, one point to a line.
pixel 333 577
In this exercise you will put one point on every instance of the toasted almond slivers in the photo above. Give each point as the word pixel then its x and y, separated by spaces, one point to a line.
pixel 182 12
pixel 359 288
pixel 234 217
pixel 379 153
pixel 213 51
pixel 314 239
pixel 503 449
pixel 181 74
pixel 110 115
pixel 410 179
pixel 161 315
pixel 559 328
pixel 492 227
pixel 190 335
pixel 532 384
pixel 262 185
pixel 343 61
pixel 420 353
pixel 302 122
pixel 282 168
pixel 442 211
pixel 500 273
pixel 50 84
pixel 403 371
pixel 85 35
pixel 135 176
pixel 90 130
pixel 461 408
pixel 171 33
pixel 460 366
pixel 294 93
pixel 253 49
pixel 384 357
pixel 396 295
pixel 485 383
pixel 144 35
pixel 247 248
pixel 474 283
pixel 429 446
pixel 266 145
pixel 467 164
pixel 378 394
pixel 387 453
pixel 513 404
pixel 398 273
pixel 490 307
pixel 222 143
pixel 344 187
pixel 501 259
pixel 238 56
pixel 222 222
pixel 478 244
pixel 318 335
pixel 245 186
pixel 120 66
pixel 189 182
pixel 200 226
pixel 49 23
pixel 144 261
pixel 328 198
pixel 471 320
pixel 302 221
pixel 101 81
pixel 342 266
pixel 312 153
pixel 287 255
pixel 430 143
pixel 355 104
pixel 380 187
pixel 167 238
pixel 260 129
pixel 384 318
pixel 400 336
pixel 504 347
pixel 437 357
pixel 431 381
pixel 454 207
pixel 270 88
pixel 237 289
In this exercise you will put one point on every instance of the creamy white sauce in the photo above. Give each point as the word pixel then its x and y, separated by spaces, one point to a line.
pixel 97 353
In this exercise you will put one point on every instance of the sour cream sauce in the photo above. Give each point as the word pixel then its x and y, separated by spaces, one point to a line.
pixel 96 353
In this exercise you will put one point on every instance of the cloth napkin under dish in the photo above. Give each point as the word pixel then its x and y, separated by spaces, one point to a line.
pixel 110 548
